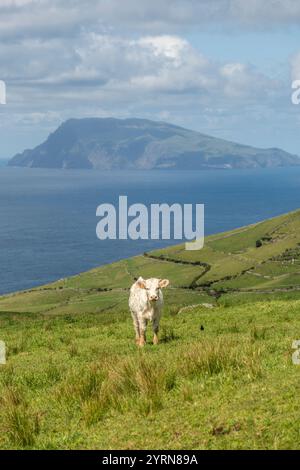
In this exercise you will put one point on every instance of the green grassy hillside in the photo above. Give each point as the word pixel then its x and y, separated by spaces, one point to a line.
pixel 222 376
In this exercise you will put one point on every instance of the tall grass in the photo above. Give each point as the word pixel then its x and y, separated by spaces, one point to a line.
pixel 20 424
pixel 142 382
pixel 208 358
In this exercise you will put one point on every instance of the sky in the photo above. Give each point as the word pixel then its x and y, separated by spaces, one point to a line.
pixel 221 67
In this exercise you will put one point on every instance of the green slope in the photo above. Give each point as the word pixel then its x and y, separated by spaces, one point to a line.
pixel 229 263
pixel 75 379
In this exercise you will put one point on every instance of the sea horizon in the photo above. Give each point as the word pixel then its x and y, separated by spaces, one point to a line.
pixel 48 217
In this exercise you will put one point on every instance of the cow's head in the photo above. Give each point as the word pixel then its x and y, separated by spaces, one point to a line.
pixel 152 287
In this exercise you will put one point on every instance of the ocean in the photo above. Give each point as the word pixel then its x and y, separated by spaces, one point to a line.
pixel 48 217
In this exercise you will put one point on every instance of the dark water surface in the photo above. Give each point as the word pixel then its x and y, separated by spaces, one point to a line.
pixel 48 217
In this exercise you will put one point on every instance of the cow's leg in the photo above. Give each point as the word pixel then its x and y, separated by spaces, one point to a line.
pixel 137 332
pixel 155 330
pixel 143 326
pixel 136 328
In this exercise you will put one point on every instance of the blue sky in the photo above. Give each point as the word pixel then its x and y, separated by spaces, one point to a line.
pixel 222 67
pixel 268 50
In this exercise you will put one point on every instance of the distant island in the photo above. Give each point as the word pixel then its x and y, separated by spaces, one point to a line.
pixel 108 144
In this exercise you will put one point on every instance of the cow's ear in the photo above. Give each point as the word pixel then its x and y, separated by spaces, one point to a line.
pixel 141 283
pixel 164 283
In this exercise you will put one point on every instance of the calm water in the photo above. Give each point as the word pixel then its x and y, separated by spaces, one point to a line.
pixel 48 221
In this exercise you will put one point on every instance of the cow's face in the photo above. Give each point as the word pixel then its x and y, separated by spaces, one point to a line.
pixel 152 287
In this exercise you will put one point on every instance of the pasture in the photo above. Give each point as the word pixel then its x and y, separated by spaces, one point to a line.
pixel 221 377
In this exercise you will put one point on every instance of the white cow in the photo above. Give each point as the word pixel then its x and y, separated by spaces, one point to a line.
pixel 145 303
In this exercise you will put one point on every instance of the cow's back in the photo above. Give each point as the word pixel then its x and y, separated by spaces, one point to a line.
pixel 137 299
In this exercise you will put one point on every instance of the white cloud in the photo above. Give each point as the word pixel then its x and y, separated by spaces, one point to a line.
pixel 64 18
pixel 16 3
pixel 123 58
pixel 171 47
pixel 116 69
pixel 269 13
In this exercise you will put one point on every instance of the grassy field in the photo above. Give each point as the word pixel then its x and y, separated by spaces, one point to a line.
pixel 221 378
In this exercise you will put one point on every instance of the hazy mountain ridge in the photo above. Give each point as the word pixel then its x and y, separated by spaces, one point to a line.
pixel 108 143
